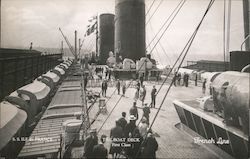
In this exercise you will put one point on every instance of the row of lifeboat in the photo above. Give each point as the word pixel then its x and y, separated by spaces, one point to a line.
pixel 22 109
pixel 229 91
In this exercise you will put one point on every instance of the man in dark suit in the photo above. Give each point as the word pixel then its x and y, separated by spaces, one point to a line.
pixel 122 121
pixel 150 147
pixel 146 112
pixel 133 111
pixel 90 142
pixel 104 88
pixel 99 150
pixel 118 86
pixel 115 133
pixel 153 95
pixel 129 128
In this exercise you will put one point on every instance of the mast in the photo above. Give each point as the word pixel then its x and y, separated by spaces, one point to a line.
pixel 96 45
pixel 246 23
pixel 62 48
pixel 79 49
pixel 75 44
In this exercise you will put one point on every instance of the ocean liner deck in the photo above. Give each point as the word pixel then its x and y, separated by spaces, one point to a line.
pixel 173 143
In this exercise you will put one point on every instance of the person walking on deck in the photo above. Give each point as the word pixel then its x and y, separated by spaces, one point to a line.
pixel 184 79
pixel 138 84
pixel 179 78
pixel 146 112
pixel 143 94
pixel 116 133
pixel 150 147
pixel 104 88
pixel 141 78
pixel 187 80
pixel 196 79
pixel 175 79
pixel 118 86
pixel 143 127
pixel 85 81
pixel 123 88
pixel 136 97
pixel 133 111
pixel 89 144
pixel 99 150
pixel 204 86
pixel 153 96
pixel 135 150
pixel 130 127
pixel 122 121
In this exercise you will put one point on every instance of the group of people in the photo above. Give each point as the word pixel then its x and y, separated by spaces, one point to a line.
pixel 141 92
pixel 146 144
pixel 119 85
pixel 91 147
pixel 178 77
pixel 177 81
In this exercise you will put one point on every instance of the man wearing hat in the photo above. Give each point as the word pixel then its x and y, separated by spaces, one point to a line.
pixel 89 144
pixel 129 128
pixel 99 150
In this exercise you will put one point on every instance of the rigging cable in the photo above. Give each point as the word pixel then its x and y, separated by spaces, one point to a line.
pixel 224 33
pixel 186 49
pixel 142 65
pixel 169 24
pixel 118 101
pixel 177 9
pixel 228 28
pixel 154 12
pixel 150 7
pixel 162 48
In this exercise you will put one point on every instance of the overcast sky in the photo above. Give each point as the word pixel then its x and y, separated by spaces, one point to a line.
pixel 38 21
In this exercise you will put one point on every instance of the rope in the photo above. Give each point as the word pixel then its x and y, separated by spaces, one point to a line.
pixel 224 33
pixel 154 12
pixel 169 24
pixel 164 51
pixel 150 7
pixel 186 49
pixel 228 26
pixel 178 7
pixel 131 81
pixel 118 101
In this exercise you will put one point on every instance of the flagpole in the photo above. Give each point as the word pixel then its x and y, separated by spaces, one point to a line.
pixel 97 35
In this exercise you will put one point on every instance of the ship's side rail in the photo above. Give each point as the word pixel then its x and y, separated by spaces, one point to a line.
pixel 15 72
